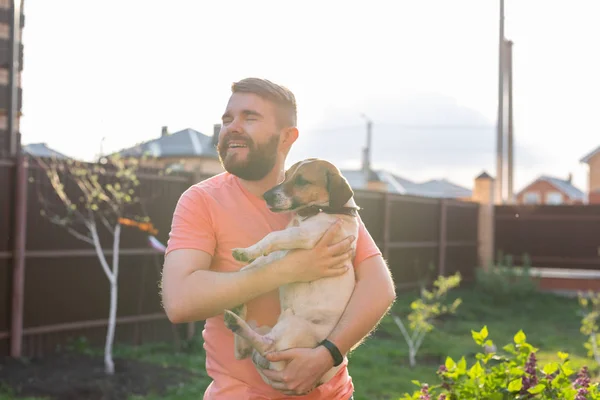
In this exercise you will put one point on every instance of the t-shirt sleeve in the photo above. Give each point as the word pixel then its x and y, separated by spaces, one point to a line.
pixel 192 226
pixel 365 245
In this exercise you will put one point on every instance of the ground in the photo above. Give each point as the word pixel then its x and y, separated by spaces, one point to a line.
pixel 379 367
pixel 72 376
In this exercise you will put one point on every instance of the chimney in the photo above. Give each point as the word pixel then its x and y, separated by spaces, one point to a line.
pixel 570 178
pixel 215 136
pixel 164 132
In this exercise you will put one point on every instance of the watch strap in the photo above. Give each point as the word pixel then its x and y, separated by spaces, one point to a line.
pixel 334 351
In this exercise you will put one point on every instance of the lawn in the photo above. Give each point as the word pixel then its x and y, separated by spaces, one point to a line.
pixel 380 367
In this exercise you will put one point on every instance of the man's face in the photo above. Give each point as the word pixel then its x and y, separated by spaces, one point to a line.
pixel 249 138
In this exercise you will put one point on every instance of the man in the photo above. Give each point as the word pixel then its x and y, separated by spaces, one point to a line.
pixel 201 278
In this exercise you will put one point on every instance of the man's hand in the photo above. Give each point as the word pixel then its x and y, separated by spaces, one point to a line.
pixel 305 367
pixel 326 259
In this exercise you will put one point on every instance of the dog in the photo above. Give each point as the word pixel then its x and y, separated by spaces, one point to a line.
pixel 317 193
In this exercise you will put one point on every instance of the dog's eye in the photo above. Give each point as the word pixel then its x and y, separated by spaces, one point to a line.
pixel 300 181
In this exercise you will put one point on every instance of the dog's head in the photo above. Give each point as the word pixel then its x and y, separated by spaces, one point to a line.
pixel 311 182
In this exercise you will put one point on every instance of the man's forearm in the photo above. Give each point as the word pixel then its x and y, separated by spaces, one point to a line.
pixel 204 293
pixel 373 295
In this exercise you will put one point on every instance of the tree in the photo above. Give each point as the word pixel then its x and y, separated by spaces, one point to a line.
pixel 424 310
pixel 87 197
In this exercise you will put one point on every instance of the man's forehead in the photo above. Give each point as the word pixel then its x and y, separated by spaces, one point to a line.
pixel 242 101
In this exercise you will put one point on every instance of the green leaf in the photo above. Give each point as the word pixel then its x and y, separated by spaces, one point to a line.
pixel 550 368
pixel 539 388
pixel 515 385
pixel 462 364
pixel 476 371
pixel 520 337
pixel 450 364
pixel 563 356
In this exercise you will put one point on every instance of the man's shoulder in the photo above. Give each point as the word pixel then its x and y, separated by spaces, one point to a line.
pixel 215 185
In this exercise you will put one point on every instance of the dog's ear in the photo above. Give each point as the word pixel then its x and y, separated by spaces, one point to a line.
pixel 339 190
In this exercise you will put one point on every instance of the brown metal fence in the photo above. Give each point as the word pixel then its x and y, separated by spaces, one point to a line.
pixel 552 236
pixel 416 233
pixel 66 292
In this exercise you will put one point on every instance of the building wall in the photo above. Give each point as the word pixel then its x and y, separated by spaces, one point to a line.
pixel 594 198
pixel 543 190
pixel 594 175
pixel 5 18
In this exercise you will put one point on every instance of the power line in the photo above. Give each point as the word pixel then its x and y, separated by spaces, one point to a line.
pixel 405 126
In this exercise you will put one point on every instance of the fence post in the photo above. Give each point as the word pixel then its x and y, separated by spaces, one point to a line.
pixel 18 267
pixel 443 237
pixel 387 211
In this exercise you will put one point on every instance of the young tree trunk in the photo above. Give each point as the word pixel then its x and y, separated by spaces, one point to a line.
pixel 113 281
pixel 412 356
pixel 112 317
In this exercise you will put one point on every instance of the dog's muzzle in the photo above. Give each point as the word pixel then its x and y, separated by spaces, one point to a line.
pixel 277 200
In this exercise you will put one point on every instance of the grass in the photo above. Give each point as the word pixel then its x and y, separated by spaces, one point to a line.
pixel 379 367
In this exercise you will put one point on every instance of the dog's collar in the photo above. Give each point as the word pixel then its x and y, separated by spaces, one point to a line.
pixel 314 210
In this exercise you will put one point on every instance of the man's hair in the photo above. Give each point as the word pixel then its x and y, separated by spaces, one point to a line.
pixel 282 97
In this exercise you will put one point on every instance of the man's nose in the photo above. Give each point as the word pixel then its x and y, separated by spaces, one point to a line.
pixel 234 126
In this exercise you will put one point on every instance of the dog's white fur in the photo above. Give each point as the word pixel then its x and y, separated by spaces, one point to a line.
pixel 309 311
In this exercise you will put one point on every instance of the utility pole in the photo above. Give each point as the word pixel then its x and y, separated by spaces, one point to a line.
pixel 13 80
pixel 366 164
pixel 510 144
pixel 499 192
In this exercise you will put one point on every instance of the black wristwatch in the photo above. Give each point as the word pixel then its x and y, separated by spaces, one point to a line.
pixel 334 351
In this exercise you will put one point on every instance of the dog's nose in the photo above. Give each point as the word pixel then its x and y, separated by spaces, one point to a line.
pixel 269 196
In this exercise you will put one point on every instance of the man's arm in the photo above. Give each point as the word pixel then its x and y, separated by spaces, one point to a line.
pixel 192 292
pixel 373 295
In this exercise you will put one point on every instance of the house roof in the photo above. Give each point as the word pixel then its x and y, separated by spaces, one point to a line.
pixel 563 185
pixel 441 188
pixel 586 159
pixel 184 143
pixel 42 150
pixel 484 175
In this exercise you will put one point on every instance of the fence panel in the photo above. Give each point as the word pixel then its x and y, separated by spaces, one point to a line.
pixel 552 236
pixel 66 291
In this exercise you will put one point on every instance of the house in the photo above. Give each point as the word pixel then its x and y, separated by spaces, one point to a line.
pixel 41 150
pixel 185 150
pixel 593 161
pixel 381 180
pixel 550 190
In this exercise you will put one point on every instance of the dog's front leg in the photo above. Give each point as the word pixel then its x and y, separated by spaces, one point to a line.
pixel 288 239
pixel 264 260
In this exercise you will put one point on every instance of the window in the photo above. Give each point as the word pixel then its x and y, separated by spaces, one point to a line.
pixel 531 198
pixel 554 198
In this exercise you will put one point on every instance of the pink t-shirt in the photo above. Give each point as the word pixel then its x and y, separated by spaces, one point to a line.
pixel 217 215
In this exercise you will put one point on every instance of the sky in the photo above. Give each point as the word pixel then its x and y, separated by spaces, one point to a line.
pixel 105 75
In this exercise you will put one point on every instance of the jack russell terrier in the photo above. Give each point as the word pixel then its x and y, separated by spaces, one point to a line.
pixel 317 193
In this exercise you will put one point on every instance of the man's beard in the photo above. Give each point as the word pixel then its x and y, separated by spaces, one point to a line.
pixel 259 161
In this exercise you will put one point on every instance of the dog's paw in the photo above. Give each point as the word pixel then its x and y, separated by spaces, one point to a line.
pixel 231 321
pixel 242 255
pixel 240 311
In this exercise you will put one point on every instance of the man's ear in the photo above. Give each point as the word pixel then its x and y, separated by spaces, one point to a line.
pixel 288 137
pixel 339 190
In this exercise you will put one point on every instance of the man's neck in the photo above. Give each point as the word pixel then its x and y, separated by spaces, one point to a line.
pixel 273 178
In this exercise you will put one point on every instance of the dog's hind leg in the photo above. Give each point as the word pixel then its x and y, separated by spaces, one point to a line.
pixel 237 325
pixel 243 348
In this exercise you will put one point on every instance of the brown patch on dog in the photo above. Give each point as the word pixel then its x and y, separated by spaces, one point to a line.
pixel 315 181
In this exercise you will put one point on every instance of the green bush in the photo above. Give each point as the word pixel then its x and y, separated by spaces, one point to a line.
pixel 514 374
pixel 504 281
